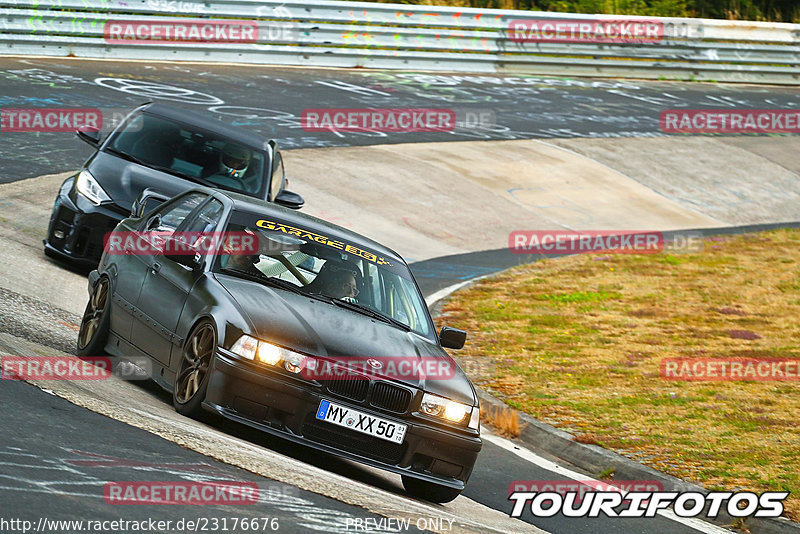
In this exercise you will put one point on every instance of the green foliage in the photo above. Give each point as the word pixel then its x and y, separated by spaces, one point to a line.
pixel 769 10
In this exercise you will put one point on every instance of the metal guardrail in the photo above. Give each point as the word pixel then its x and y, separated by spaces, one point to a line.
pixel 394 36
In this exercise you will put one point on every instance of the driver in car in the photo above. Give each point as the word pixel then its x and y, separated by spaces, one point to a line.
pixel 234 161
pixel 233 259
pixel 343 286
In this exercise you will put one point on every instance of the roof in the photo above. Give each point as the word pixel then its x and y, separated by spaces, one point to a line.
pixel 307 222
pixel 204 122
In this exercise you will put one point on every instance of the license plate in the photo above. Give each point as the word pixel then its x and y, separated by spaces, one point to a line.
pixel 361 422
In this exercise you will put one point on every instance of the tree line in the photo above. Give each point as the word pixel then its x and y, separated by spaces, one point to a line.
pixel 765 10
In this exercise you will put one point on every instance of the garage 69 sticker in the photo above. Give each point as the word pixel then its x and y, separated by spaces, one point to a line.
pixel 319 238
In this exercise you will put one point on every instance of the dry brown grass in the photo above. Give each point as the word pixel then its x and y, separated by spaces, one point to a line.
pixel 505 420
pixel 588 439
pixel 577 341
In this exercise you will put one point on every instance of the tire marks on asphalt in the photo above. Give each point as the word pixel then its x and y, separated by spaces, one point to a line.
pixel 36 321
pixel 142 405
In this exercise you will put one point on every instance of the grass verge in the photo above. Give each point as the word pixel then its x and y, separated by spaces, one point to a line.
pixel 577 342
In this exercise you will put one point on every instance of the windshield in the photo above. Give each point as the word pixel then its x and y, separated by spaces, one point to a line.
pixel 332 269
pixel 191 153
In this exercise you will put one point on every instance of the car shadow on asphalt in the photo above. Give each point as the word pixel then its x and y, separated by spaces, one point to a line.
pixel 285 447
pixel 75 268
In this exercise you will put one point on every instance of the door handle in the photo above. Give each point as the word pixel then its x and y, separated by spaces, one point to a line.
pixel 155 268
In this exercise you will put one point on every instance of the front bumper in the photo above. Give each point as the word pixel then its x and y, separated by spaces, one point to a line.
pixel 77 227
pixel 274 405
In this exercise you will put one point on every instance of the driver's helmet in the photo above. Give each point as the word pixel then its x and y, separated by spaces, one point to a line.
pixel 234 160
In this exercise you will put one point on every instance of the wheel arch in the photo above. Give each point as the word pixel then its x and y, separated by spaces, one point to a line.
pixel 207 301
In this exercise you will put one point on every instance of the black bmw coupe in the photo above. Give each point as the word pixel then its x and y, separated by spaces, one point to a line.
pixel 314 333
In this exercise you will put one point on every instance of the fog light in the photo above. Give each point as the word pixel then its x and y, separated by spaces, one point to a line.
pixel 58 234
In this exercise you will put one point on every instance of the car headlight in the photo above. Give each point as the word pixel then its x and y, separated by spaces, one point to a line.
pixel 246 347
pixel 268 354
pixel 441 408
pixel 87 185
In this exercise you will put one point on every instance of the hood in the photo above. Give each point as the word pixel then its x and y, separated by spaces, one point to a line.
pixel 318 328
pixel 124 180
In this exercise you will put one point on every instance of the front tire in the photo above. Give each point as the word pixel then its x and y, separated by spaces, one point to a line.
pixel 429 491
pixel 93 333
pixel 194 370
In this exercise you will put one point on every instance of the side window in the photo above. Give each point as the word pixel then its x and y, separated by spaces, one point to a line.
pixel 204 222
pixel 278 177
pixel 207 218
pixel 169 218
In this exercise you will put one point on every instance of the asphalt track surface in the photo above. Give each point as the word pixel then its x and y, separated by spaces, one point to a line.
pixel 271 101
pixel 62 479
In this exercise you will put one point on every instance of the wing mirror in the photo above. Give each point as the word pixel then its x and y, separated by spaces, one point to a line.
pixel 182 254
pixel 452 338
pixel 90 137
pixel 151 196
pixel 288 199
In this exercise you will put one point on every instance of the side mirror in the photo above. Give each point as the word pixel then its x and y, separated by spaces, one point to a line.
pixel 153 223
pixel 139 206
pixel 92 138
pixel 452 338
pixel 182 254
pixel 289 199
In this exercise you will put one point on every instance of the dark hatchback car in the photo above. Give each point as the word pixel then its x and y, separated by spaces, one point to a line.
pixel 161 151
pixel 246 335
